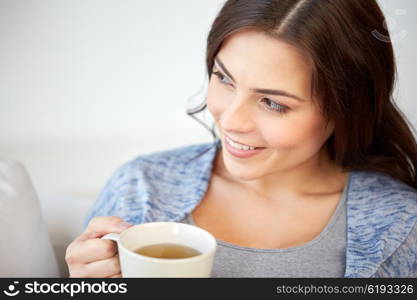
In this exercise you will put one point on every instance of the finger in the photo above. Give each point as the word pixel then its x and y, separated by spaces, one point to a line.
pixel 100 226
pixel 119 275
pixel 102 268
pixel 93 250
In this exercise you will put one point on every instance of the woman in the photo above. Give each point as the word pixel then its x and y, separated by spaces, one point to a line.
pixel 314 170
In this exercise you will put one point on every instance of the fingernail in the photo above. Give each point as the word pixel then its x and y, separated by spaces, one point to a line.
pixel 124 225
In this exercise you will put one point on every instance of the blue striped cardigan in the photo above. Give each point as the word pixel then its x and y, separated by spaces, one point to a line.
pixel 167 185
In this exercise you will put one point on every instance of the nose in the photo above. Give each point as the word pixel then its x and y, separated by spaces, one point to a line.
pixel 238 116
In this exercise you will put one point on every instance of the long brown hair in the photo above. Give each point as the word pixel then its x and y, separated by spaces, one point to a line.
pixel 353 78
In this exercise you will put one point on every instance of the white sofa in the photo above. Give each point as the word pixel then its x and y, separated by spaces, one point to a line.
pixel 35 232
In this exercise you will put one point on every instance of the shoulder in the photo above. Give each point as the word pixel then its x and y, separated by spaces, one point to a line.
pixel 166 163
pixel 382 218
pixel 156 185
pixel 382 191
pixel 382 201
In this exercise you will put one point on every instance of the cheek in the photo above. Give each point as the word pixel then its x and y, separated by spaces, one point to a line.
pixel 303 132
pixel 215 105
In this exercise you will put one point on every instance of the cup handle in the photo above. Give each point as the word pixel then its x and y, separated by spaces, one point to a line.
pixel 111 236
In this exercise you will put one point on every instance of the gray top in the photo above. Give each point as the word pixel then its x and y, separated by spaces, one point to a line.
pixel 324 256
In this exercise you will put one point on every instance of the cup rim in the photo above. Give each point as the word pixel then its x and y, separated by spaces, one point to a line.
pixel 168 260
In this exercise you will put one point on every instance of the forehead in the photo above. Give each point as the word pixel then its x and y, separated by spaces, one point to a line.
pixel 255 57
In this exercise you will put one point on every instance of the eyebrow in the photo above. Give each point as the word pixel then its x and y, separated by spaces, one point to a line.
pixel 259 90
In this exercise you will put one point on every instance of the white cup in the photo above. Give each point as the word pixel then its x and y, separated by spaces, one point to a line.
pixel 137 265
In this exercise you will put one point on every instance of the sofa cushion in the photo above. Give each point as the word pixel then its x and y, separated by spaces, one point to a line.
pixel 25 250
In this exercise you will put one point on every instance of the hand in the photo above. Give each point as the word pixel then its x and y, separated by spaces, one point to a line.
pixel 90 256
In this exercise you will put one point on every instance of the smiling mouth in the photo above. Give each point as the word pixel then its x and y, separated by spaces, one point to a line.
pixel 240 146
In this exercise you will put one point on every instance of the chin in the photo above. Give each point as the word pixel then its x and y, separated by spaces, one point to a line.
pixel 243 173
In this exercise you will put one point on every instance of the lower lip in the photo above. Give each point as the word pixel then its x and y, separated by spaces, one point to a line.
pixel 241 153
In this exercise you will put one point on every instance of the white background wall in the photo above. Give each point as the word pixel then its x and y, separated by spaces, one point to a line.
pixel 86 85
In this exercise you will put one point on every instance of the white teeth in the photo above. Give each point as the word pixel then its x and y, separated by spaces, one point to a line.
pixel 239 146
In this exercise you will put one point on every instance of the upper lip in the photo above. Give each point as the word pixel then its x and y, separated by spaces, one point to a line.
pixel 240 142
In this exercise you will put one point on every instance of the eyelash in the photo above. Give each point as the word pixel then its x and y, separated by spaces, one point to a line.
pixel 275 107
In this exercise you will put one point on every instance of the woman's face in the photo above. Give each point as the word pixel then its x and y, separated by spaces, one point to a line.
pixel 287 124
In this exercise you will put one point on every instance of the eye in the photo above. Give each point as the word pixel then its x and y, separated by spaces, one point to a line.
pixel 274 106
pixel 221 77
pixel 269 105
